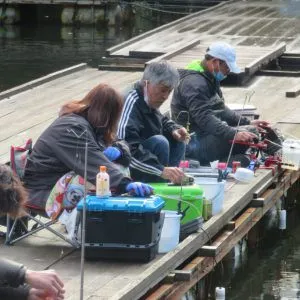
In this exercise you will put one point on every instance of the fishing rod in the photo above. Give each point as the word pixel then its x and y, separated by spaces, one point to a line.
pixel 83 223
pixel 248 96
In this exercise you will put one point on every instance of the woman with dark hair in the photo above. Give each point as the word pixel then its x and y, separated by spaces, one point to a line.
pixel 17 282
pixel 60 149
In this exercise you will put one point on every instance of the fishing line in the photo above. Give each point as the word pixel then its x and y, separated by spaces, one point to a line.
pixel 248 96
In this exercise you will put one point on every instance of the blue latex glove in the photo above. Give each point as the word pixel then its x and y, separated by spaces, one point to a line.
pixel 139 189
pixel 112 153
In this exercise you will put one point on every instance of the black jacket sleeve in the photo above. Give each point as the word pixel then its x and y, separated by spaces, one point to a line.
pixel 125 158
pixel 9 293
pixel 169 126
pixel 12 274
pixel 198 100
pixel 70 148
pixel 232 118
pixel 129 129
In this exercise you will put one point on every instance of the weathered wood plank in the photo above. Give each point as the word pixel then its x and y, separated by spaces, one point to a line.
pixel 293 93
pixel 236 201
pixel 171 54
pixel 265 59
pixel 200 266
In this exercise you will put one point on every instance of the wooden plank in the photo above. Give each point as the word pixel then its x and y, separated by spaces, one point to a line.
pixel 39 81
pixel 145 54
pixel 237 199
pixel 141 37
pixel 263 60
pixel 258 202
pixel 263 188
pixel 122 68
pixel 201 266
pixel 278 73
pixel 160 293
pixel 169 55
pixel 124 60
pixel 182 275
pixel 294 93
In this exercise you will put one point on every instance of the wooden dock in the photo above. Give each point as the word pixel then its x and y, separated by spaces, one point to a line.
pixel 241 23
pixel 25 111
pixel 120 280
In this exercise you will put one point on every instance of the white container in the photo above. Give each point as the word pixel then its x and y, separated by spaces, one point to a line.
pixel 243 175
pixel 220 293
pixel 213 191
pixel 291 154
pixel 169 238
pixel 282 219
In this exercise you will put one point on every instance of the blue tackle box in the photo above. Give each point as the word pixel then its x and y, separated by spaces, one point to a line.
pixel 125 228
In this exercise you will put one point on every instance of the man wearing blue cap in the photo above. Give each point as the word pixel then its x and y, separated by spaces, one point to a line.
pixel 198 102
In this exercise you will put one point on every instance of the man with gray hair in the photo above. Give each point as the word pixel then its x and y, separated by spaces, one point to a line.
pixel 156 142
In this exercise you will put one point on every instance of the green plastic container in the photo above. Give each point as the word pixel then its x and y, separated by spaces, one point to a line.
pixel 190 196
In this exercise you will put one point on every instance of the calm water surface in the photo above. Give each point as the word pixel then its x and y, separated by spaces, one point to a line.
pixel 272 272
pixel 31 51
pixel 28 52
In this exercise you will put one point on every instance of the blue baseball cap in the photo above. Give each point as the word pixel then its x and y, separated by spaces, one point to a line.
pixel 225 52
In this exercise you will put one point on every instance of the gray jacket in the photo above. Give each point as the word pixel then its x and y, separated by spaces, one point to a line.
pixel 61 149
pixel 200 95
pixel 12 278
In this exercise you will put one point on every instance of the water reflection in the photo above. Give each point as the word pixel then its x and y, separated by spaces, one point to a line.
pixel 273 271
pixel 31 51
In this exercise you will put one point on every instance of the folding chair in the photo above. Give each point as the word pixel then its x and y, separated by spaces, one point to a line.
pixel 22 227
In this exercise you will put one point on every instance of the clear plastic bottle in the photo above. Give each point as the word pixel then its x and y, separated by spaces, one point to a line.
pixel 102 183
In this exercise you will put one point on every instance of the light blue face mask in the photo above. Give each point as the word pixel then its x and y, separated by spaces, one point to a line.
pixel 219 76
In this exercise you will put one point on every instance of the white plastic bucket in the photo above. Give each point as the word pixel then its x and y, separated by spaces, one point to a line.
pixel 169 238
pixel 213 191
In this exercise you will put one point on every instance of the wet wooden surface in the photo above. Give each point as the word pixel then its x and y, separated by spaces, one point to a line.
pixel 121 280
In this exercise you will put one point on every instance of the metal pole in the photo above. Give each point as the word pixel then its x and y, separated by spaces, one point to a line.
pixel 83 224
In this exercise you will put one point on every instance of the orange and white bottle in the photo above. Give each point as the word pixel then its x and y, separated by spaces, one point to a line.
pixel 102 183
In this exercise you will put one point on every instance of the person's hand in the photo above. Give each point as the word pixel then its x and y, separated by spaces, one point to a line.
pixel 245 136
pixel 260 124
pixel 180 134
pixel 112 153
pixel 46 281
pixel 173 174
pixel 35 294
pixel 139 189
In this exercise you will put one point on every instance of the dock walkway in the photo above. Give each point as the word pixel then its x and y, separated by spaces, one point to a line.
pixel 260 34
pixel 121 280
